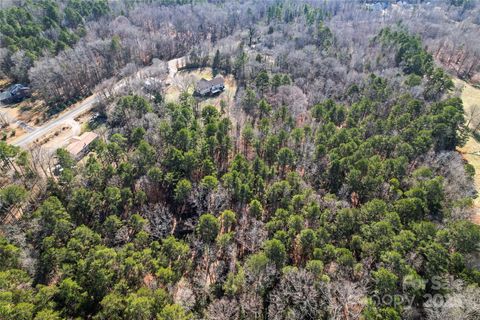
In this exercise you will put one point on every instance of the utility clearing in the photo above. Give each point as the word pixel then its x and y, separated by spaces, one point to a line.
pixel 471 150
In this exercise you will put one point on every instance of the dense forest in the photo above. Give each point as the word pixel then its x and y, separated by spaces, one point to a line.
pixel 330 188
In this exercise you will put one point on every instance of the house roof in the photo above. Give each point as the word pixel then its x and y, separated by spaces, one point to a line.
pixel 4 96
pixel 16 87
pixel 16 90
pixel 206 84
pixel 79 143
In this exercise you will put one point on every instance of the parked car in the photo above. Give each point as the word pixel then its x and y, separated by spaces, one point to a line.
pixel 206 87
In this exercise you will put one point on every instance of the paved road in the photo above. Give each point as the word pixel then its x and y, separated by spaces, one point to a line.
pixel 34 134
pixel 30 137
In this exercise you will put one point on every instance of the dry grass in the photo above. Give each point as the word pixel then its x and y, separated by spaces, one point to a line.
pixel 471 150
pixel 470 94
pixel 51 139
pixel 228 95
pixel 185 80
pixel 12 132
pixel 32 113
pixel 4 83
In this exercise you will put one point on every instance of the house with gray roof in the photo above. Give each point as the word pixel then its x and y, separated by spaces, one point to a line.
pixel 15 93
pixel 206 87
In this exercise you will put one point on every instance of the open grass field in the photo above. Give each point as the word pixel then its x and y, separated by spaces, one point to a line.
pixel 471 150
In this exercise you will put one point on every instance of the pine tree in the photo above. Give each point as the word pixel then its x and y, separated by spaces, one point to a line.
pixel 216 63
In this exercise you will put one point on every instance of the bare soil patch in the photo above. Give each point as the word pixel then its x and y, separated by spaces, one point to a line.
pixel 53 138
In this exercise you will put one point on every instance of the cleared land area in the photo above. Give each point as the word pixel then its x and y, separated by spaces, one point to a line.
pixel 471 150
pixel 185 80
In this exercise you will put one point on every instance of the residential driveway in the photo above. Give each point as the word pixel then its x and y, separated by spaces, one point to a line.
pixel 67 117
pixel 6 115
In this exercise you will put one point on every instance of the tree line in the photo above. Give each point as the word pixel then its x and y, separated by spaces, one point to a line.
pixel 315 201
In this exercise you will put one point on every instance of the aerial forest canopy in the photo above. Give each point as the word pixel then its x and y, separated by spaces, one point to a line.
pixel 40 28
pixel 323 183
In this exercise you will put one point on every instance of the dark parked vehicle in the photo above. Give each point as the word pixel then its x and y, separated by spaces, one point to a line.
pixel 15 93
pixel 210 87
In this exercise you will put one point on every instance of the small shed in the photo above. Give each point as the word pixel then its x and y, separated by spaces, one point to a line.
pixel 80 146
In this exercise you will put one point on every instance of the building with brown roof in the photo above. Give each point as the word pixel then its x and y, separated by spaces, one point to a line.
pixel 80 145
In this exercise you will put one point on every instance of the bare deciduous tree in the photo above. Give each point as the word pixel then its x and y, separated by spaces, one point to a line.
pixel 463 304
pixel 223 309
pixel 298 296
pixel 347 300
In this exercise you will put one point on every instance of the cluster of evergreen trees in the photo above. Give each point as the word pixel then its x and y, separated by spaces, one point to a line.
pixel 416 61
pixel 184 213
pixel 98 256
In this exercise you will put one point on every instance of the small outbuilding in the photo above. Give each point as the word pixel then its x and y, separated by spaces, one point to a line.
pixel 206 87
pixel 81 145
